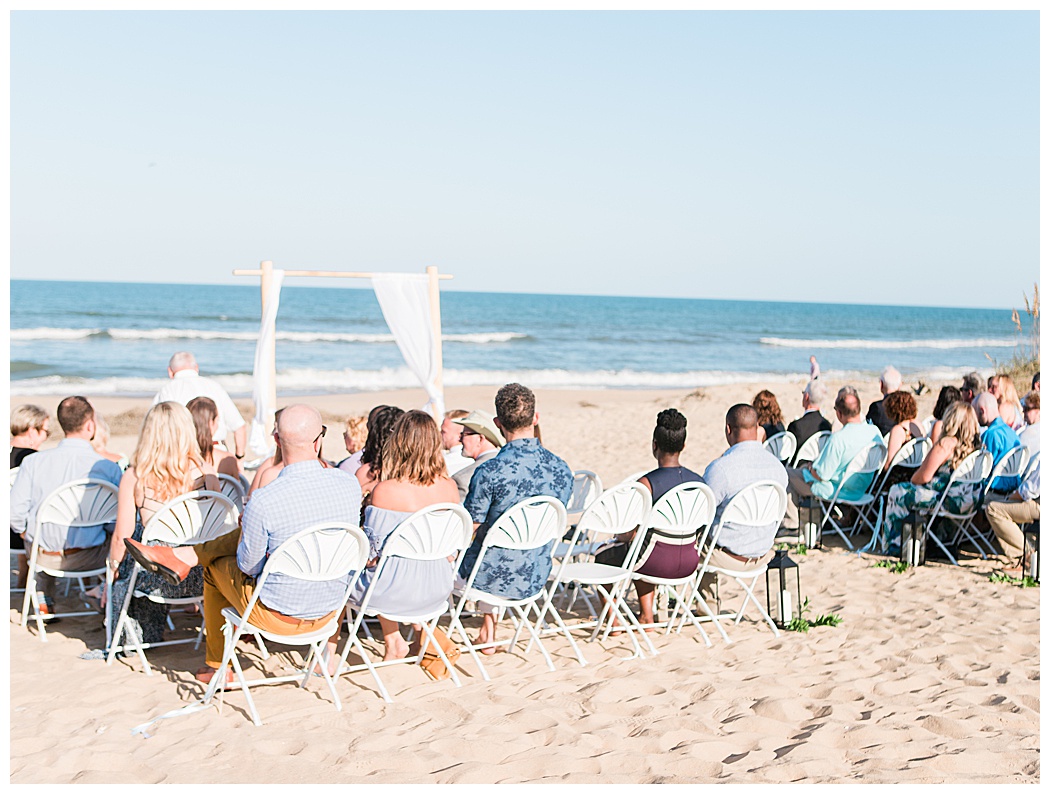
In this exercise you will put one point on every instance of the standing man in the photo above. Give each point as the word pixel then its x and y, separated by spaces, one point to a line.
pixel 303 494
pixel 812 421
pixel 186 383
pixel 63 548
pixel 522 469
pixel 889 382
pixel 481 441
pixel 821 477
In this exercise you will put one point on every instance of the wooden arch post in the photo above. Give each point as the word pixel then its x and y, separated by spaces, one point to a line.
pixel 265 274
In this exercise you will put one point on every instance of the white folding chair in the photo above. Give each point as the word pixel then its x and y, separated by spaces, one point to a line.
pixel 680 517
pixel 80 503
pixel 586 487
pixel 233 489
pixel 186 520
pixel 1013 464
pixel 973 471
pixel 619 510
pixel 325 552
pixel 909 456
pixel 634 477
pixel 811 448
pixel 782 445
pixel 759 504
pixel 434 533
pixel 532 523
pixel 868 461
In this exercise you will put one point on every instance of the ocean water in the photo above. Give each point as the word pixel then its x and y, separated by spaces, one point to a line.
pixel 116 338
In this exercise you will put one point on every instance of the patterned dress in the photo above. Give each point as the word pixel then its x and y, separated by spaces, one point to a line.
pixel 905 497
pixel 522 469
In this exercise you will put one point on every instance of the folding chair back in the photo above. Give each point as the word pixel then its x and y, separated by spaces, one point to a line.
pixel 683 515
pixel 436 531
pixel 974 470
pixel 191 518
pixel 528 525
pixel 812 447
pixel 586 488
pixel 618 510
pixel 782 445
pixel 868 461
pixel 80 503
pixel 1033 464
pixel 1013 464
pixel 909 456
pixel 233 489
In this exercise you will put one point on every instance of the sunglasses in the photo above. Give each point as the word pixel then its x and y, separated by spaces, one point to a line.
pixel 321 434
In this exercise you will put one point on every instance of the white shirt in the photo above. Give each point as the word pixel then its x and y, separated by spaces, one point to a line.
pixel 187 384
pixel 455 459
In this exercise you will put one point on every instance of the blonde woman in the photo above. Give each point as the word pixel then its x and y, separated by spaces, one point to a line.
pixel 1002 388
pixel 167 462
pixel 414 476
pixel 958 440
pixel 101 441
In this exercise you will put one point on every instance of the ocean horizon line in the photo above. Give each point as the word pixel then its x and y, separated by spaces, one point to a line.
pixel 447 287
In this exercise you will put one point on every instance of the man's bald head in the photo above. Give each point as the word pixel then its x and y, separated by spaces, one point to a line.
pixel 298 427
pixel 741 424
pixel 987 408
pixel 180 361
pixel 847 405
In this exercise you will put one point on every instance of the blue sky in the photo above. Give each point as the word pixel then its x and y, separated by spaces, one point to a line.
pixel 817 156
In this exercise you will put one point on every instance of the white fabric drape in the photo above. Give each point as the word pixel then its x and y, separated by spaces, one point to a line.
pixel 404 299
pixel 260 442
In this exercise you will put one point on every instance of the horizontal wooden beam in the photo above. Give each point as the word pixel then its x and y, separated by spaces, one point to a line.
pixel 329 274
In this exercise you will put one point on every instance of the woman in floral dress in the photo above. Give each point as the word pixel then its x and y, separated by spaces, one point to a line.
pixel 958 440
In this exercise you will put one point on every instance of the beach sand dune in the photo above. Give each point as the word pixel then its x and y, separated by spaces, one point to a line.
pixel 932 676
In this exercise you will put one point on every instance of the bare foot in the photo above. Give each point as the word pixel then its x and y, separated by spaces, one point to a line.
pixel 396 648
pixel 482 639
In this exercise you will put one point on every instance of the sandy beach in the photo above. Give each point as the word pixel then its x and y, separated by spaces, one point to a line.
pixel 931 677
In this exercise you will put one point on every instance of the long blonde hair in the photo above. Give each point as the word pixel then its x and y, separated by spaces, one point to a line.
pixel 960 423
pixel 412 451
pixel 167 451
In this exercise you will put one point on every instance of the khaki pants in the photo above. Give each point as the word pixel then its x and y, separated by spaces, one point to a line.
pixel 227 585
pixel 80 560
pixel 1004 518
pixel 719 559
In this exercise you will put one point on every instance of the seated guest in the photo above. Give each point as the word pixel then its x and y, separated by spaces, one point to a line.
pixel 1030 435
pixel 1009 403
pixel 30 427
pixel 481 441
pixel 354 439
pixel 205 421
pixel 381 421
pixel 997 437
pixel 1035 382
pixel 63 548
pixel 522 469
pixel 947 396
pixel 812 421
pixel 928 482
pixel 659 559
pixel 1004 516
pixel 268 471
pixel 971 387
pixel 889 382
pixel 167 463
pixel 741 548
pixel 304 494
pixel 414 477
pixel 821 477
pixel 901 409
pixel 770 419
pixel 454 457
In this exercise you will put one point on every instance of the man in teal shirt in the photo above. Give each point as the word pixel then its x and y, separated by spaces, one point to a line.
pixel 821 477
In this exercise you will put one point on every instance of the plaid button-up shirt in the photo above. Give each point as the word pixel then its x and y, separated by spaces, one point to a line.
pixel 302 495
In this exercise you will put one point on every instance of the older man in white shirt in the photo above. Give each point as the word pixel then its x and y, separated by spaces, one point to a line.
pixel 187 382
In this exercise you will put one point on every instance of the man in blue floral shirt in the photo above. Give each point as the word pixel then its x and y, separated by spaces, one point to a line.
pixel 522 469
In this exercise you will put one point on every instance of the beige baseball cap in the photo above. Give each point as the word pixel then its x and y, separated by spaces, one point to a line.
pixel 483 423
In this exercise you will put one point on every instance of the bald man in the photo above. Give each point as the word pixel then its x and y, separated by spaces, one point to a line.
pixel 303 494
pixel 997 437
pixel 186 382
pixel 821 477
